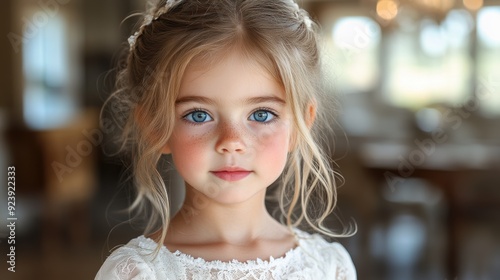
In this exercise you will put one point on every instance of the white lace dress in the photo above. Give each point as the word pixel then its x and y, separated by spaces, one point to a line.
pixel 313 258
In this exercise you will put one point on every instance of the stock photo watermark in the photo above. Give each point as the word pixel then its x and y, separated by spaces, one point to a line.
pixel 454 118
pixel 11 218
pixel 33 25
pixel 93 138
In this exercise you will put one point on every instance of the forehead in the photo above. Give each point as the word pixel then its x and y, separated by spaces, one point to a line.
pixel 249 52
pixel 232 72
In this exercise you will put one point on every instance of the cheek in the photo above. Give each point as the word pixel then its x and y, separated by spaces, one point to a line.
pixel 274 143
pixel 188 148
pixel 186 138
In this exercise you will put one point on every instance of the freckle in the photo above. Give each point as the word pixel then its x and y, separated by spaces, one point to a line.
pixel 200 137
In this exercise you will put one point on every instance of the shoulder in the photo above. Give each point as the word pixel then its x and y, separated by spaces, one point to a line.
pixel 332 256
pixel 136 261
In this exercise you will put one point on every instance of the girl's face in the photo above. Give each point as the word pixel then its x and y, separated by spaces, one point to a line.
pixel 232 130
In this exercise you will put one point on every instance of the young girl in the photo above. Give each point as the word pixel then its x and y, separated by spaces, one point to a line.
pixel 231 90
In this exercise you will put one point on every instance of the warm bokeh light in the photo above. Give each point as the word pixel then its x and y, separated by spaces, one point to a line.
pixel 473 4
pixel 442 5
pixel 387 9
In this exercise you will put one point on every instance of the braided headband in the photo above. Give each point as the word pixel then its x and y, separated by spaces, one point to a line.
pixel 148 19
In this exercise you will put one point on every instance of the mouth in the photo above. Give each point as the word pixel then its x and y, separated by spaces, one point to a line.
pixel 231 174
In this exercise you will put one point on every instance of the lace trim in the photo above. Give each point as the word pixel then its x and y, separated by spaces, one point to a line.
pixel 313 258
pixel 150 244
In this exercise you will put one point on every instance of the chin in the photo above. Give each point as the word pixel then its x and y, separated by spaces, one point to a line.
pixel 233 196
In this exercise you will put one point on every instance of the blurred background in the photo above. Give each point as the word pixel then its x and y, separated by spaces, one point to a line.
pixel 418 134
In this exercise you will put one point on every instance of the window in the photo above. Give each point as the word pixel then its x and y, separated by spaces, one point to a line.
pixel 352 54
pixel 48 100
pixel 430 63
pixel 488 56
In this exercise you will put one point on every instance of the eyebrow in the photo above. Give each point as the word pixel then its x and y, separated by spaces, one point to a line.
pixel 252 100
pixel 199 99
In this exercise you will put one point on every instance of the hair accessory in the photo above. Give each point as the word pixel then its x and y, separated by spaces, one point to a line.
pixel 148 19
pixel 151 16
pixel 308 22
pixel 301 14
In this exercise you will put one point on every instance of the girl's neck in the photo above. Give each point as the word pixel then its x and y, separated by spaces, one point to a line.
pixel 205 221
pixel 240 231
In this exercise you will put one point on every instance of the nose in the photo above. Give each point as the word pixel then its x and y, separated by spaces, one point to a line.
pixel 230 139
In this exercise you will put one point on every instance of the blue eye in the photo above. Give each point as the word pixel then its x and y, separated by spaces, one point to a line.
pixel 262 116
pixel 198 117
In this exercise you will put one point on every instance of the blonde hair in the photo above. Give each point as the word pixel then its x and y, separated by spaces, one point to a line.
pixel 282 38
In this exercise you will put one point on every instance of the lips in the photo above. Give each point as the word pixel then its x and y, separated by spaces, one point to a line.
pixel 231 173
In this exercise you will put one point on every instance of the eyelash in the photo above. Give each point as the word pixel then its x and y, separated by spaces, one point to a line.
pixel 271 111
pixel 192 111
pixel 267 109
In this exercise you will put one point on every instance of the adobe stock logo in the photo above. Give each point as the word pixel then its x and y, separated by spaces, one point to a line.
pixel 31 27
pixel 93 138
pixel 75 155
pixel 454 119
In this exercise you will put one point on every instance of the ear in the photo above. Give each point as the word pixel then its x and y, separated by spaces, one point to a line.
pixel 166 149
pixel 310 116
